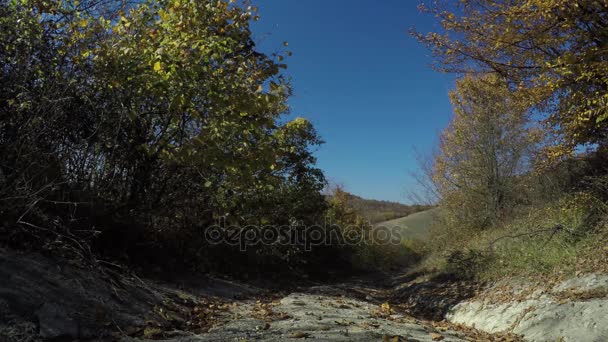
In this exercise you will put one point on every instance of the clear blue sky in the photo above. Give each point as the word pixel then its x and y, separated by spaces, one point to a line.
pixel 364 83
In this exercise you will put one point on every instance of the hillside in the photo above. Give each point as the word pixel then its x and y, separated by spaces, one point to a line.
pixel 379 211
pixel 415 226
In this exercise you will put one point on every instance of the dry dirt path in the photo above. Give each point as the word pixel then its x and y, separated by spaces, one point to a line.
pixel 42 299
pixel 356 310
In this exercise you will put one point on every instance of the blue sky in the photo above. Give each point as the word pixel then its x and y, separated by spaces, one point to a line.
pixel 364 83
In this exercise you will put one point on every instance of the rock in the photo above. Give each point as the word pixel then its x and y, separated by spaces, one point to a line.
pixel 54 322
pixel 583 283
pixel 542 316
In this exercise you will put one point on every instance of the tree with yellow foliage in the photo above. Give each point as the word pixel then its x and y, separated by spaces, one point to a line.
pixel 160 114
pixel 488 145
pixel 554 52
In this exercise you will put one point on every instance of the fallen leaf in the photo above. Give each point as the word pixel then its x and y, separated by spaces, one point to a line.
pixel 150 332
pixel 436 337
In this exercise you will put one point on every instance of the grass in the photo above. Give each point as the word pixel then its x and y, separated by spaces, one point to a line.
pixel 527 245
pixel 414 227
pixel 414 231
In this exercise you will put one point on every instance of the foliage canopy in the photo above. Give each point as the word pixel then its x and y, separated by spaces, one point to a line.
pixel 552 52
pixel 160 114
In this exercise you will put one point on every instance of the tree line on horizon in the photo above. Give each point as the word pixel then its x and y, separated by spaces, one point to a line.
pixel 376 211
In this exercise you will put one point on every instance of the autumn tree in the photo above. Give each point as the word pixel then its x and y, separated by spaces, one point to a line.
pixel 487 147
pixel 553 52
pixel 160 116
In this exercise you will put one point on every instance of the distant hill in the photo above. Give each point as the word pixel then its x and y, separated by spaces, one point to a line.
pixel 415 226
pixel 379 211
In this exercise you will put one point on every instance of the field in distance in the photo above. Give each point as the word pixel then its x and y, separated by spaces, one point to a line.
pixel 415 226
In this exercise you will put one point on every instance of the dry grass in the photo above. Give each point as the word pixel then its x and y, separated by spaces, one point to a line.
pixel 560 238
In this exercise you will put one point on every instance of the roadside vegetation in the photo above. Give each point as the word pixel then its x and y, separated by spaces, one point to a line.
pixel 127 130
pixel 521 173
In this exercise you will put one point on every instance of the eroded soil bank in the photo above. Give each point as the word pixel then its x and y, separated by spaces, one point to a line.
pixel 574 309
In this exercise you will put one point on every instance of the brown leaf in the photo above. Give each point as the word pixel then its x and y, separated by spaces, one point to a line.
pixel 436 337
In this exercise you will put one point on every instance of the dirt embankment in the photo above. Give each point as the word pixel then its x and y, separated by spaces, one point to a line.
pixel 574 309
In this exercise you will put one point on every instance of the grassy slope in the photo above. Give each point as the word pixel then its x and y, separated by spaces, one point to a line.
pixel 415 226
pixel 380 211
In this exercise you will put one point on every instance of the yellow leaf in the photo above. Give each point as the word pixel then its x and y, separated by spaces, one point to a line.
pixel 83 23
pixel 157 66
